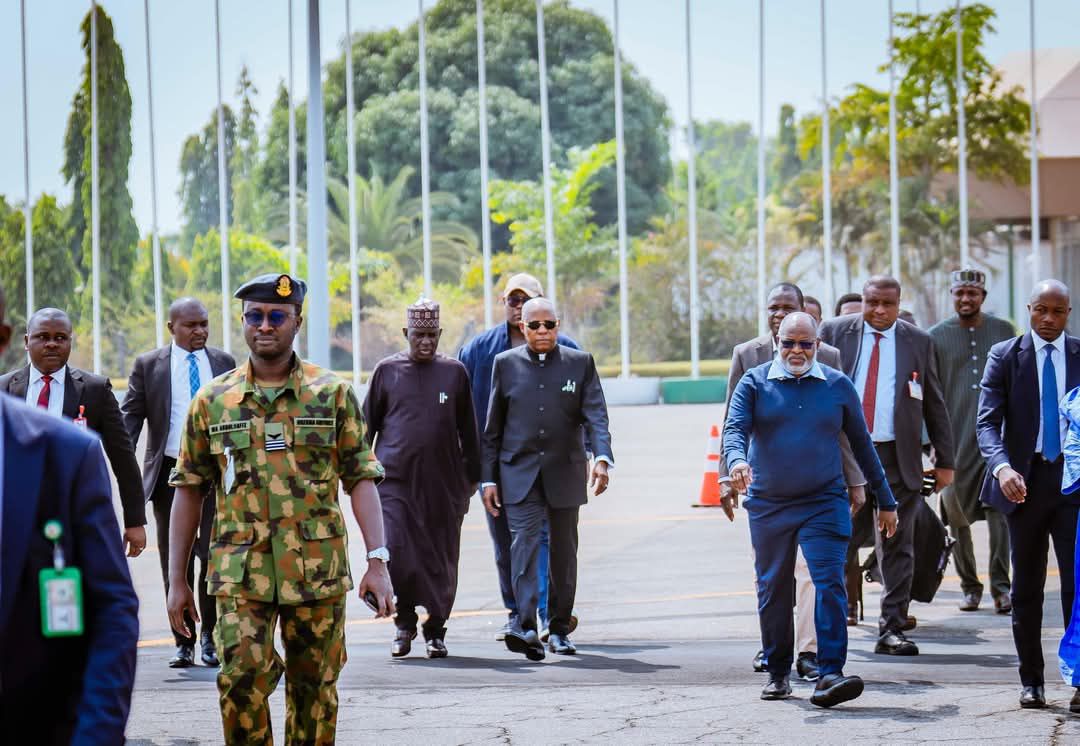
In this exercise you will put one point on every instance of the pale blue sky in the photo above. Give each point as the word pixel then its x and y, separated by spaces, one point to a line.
pixel 254 32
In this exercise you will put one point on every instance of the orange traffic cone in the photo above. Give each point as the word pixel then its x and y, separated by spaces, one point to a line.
pixel 710 484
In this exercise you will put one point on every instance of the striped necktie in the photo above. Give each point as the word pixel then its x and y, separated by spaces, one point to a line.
pixel 193 373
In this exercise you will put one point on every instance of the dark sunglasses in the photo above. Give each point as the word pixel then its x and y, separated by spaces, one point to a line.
pixel 275 317
pixel 805 345
pixel 546 323
pixel 516 301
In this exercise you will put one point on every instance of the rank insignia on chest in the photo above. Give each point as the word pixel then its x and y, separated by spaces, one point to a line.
pixel 570 387
pixel 275 436
pixel 443 397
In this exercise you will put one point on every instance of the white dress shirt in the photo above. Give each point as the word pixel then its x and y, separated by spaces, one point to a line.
pixel 1059 371
pixel 181 393
pixel 56 390
pixel 885 403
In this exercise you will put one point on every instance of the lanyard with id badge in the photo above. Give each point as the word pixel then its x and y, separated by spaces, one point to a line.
pixel 61 591
pixel 914 387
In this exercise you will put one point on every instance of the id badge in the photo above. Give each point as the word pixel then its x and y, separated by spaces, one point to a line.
pixel 229 477
pixel 915 390
pixel 61 602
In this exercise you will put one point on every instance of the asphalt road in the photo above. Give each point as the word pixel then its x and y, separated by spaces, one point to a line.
pixel 668 629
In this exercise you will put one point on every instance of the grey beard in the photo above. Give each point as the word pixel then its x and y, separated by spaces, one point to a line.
pixel 800 370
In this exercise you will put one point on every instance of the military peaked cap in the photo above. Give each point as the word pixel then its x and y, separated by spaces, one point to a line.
pixel 273 288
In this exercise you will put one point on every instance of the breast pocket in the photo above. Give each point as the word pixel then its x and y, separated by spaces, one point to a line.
pixel 240 469
pixel 315 447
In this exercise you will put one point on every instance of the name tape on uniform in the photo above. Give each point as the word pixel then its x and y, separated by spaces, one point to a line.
pixel 228 427
pixel 314 422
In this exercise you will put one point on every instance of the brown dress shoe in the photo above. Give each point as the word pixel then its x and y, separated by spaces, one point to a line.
pixel 402 643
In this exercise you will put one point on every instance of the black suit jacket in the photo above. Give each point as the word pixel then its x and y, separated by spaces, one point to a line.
pixel 537 417
pixel 1010 410
pixel 914 354
pixel 68 689
pixel 149 399
pixel 102 414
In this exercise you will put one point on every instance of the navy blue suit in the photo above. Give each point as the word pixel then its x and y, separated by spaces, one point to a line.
pixel 478 357
pixel 63 690
pixel 1008 431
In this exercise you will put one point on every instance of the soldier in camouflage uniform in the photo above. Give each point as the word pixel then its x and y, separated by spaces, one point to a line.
pixel 277 435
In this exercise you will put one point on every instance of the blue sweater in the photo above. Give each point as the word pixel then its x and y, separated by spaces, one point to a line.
pixel 792 427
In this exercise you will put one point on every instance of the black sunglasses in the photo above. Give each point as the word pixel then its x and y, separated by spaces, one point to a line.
pixel 275 317
pixel 546 323
pixel 805 344
pixel 517 301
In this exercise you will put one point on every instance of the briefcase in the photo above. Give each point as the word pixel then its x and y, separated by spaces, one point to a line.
pixel 932 548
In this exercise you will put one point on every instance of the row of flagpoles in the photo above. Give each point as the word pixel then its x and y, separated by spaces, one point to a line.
pixel 318 311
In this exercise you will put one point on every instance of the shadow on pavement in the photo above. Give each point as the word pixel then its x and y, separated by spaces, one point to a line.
pixel 939 659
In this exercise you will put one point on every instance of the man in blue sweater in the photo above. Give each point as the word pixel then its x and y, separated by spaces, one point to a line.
pixel 780 437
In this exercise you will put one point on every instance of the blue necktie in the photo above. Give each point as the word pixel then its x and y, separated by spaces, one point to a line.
pixel 193 373
pixel 1051 445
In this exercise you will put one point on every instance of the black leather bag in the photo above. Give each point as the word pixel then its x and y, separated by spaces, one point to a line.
pixel 932 548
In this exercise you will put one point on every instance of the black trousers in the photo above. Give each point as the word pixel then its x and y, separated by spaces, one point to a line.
pixel 526 520
pixel 1044 515
pixel 896 555
pixel 162 501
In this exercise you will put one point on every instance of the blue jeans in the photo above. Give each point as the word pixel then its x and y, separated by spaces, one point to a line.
pixel 500 539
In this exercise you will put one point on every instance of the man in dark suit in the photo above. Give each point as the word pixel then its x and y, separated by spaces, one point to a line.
pixel 50 383
pixel 1021 433
pixel 894 369
pixel 544 397
pixel 784 299
pixel 70 689
pixel 160 389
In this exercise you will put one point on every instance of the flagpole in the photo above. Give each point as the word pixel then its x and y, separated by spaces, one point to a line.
pixel 425 166
pixel 485 208
pixel 223 194
pixel 545 149
pixel 1036 227
pixel 28 211
pixel 350 140
pixel 318 307
pixel 95 210
pixel 826 165
pixel 894 174
pixel 961 126
pixel 155 242
pixel 620 189
pixel 293 249
pixel 691 210
pixel 761 171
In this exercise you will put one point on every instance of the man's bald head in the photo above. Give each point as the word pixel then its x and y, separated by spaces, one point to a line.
pixel 798 342
pixel 800 320
pixel 538 305
pixel 48 314
pixel 48 340
pixel 189 324
pixel 1049 308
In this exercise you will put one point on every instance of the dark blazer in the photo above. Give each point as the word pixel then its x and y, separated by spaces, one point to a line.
pixel 149 399
pixel 914 354
pixel 1010 410
pixel 73 689
pixel 102 414
pixel 537 418
pixel 758 351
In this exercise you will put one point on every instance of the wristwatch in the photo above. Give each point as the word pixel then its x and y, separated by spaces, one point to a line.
pixel 382 553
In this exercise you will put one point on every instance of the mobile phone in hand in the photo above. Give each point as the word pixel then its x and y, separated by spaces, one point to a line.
pixel 371 601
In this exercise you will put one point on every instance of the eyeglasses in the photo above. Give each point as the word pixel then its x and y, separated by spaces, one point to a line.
pixel 275 317
pixel 804 344
pixel 546 323
pixel 517 301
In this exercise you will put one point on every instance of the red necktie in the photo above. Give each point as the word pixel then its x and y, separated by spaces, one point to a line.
pixel 43 397
pixel 869 398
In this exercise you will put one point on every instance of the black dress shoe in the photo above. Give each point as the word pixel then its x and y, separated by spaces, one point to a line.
pixel 436 648
pixel 1034 698
pixel 1074 703
pixel 209 652
pixel 759 662
pixel 970 602
pixel 806 666
pixel 527 642
pixel 894 643
pixel 184 658
pixel 561 645
pixel 834 688
pixel 779 687
pixel 402 643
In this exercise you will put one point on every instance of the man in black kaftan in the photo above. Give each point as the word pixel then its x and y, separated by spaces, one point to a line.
pixel 422 423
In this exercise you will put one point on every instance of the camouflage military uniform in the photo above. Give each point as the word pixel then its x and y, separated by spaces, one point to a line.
pixel 278 547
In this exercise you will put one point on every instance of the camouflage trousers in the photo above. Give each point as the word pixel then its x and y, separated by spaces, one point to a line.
pixel 313 635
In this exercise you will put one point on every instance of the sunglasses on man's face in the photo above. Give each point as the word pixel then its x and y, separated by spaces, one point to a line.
pixel 516 301
pixel 275 317
pixel 804 344
pixel 546 323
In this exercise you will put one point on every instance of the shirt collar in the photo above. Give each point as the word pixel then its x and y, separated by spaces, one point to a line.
pixel 778 372
pixel 58 377
pixel 1040 343
pixel 887 333
pixel 179 353
pixel 293 383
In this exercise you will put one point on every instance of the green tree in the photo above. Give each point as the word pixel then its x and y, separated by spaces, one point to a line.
pixel 118 232
pixel 246 205
pixel 198 189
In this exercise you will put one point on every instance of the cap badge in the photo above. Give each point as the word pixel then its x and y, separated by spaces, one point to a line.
pixel 284 286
